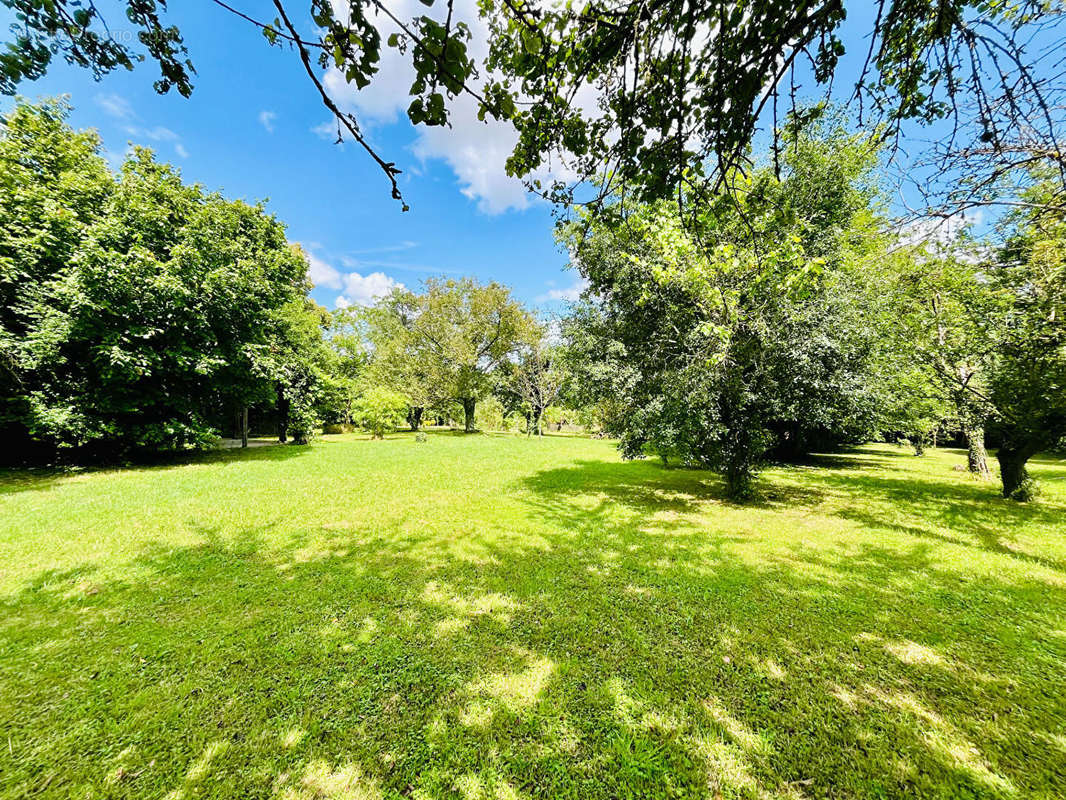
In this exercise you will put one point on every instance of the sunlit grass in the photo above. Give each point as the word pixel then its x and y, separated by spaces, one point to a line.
pixel 499 617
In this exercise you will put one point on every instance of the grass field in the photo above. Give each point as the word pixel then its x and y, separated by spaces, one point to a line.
pixel 496 617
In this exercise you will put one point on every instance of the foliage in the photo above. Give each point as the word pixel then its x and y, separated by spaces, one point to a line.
pixel 300 366
pixel 449 340
pixel 135 307
pixel 395 359
pixel 345 336
pixel 944 312
pixel 490 415
pixel 660 97
pixel 380 411
pixel 713 346
pixel 537 378
pixel 545 621
pixel 77 30
pixel 1027 387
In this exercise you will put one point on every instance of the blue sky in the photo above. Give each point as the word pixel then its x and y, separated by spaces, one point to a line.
pixel 252 130
pixel 255 129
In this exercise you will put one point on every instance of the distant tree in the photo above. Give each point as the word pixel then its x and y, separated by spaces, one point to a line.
pixel 380 411
pixel 915 405
pixel 944 307
pixel 453 336
pixel 538 378
pixel 397 359
pixel 346 337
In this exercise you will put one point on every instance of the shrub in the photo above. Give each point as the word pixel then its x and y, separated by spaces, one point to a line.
pixel 489 415
pixel 380 411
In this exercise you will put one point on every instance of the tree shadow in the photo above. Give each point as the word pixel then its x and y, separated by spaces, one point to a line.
pixel 35 479
pixel 945 511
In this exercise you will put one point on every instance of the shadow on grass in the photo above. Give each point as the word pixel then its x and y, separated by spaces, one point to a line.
pixel 627 653
pixel 36 479
pixel 945 511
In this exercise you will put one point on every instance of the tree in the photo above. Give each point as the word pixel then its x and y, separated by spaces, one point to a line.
pixel 398 360
pixel 915 407
pixel 300 366
pixel 346 336
pixel 713 345
pixel 454 335
pixel 380 411
pixel 538 378
pixel 139 308
pixel 944 306
pixel 665 97
pixel 1027 385
pixel 52 186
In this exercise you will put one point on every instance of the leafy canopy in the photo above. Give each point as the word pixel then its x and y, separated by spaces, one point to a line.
pixel 662 98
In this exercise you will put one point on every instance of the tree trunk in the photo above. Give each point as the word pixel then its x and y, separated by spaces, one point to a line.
pixel 738 481
pixel 283 415
pixel 1012 471
pixel 414 417
pixel 244 426
pixel 535 427
pixel 468 411
pixel 976 455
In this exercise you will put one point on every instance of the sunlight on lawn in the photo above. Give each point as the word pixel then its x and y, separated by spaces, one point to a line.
pixel 501 617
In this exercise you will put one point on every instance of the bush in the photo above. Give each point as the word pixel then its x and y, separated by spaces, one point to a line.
pixel 339 427
pixel 489 415
pixel 380 411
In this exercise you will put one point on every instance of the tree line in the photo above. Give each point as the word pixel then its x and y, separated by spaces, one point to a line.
pixel 143 314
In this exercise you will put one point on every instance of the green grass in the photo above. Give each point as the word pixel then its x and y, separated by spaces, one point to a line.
pixel 497 617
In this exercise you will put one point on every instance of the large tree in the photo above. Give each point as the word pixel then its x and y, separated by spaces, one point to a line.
pixel 134 307
pixel 661 95
pixel 718 344
pixel 1027 385
pixel 454 335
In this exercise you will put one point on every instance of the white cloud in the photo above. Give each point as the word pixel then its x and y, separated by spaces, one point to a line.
pixel 327 130
pixel 266 119
pixel 321 272
pixel 569 294
pixel 476 151
pixel 407 244
pixel 159 134
pixel 156 134
pixel 356 289
pixel 365 289
pixel 116 105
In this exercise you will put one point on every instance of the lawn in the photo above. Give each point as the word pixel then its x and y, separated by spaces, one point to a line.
pixel 497 617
